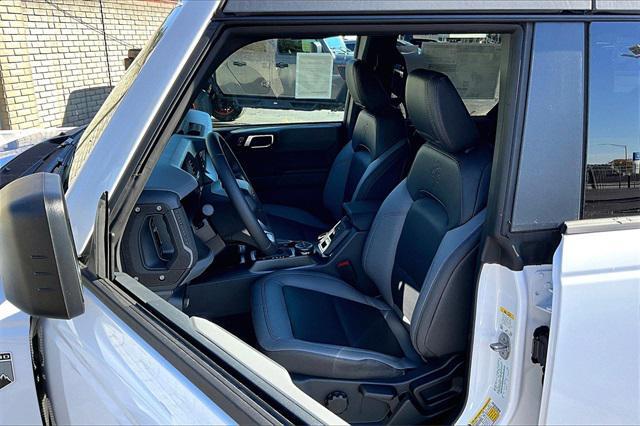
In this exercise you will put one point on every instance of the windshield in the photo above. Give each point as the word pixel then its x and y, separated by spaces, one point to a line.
pixel 336 44
pixel 102 118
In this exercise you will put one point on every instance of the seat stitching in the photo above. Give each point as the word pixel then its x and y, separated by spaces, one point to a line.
pixel 266 310
pixel 339 348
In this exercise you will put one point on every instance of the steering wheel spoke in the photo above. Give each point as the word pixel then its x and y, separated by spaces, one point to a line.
pixel 244 200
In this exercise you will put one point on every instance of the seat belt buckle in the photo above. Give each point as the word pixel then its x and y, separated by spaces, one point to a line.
pixel 346 271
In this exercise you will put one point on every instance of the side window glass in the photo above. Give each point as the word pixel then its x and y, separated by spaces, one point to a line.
pixel 471 61
pixel 287 46
pixel 612 173
pixel 279 81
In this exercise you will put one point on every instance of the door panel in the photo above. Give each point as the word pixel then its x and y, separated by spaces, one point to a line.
pixel 593 362
pixel 293 170
pixel 587 301
pixel 506 390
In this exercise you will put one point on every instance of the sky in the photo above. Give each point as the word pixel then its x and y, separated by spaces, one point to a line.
pixel 614 92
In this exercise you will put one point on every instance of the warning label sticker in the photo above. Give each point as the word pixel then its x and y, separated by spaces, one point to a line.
pixel 487 415
pixel 505 321
pixel 501 381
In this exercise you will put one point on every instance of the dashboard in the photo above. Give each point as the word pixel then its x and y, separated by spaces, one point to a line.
pixel 183 166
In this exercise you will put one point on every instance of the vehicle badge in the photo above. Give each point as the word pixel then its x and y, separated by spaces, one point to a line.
pixel 6 370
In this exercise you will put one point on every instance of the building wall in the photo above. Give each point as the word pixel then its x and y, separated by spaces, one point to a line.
pixel 59 59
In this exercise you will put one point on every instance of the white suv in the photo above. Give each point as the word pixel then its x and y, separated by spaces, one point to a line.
pixel 453 242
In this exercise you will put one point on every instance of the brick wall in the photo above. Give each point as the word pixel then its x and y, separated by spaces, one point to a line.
pixel 60 58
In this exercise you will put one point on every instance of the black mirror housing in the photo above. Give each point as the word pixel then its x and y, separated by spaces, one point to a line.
pixel 38 262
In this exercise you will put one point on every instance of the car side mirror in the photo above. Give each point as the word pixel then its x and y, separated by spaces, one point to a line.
pixel 38 262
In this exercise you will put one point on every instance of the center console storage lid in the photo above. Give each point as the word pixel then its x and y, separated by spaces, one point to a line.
pixel 361 213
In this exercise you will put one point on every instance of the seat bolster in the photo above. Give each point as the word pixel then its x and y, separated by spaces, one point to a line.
pixel 382 242
pixel 442 314
pixel 334 188
pixel 383 174
pixel 275 336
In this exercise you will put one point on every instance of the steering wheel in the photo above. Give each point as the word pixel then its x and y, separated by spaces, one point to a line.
pixel 246 203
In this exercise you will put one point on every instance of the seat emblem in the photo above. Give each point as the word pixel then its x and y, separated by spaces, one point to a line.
pixel 6 370
pixel 436 173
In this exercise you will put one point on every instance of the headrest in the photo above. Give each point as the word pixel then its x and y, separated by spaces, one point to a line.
pixel 365 87
pixel 438 113
pixel 377 133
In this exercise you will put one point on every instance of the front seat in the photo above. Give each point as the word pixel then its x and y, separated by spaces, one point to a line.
pixel 421 254
pixel 367 168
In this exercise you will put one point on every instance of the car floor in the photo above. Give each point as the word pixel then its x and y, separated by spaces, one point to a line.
pixel 240 325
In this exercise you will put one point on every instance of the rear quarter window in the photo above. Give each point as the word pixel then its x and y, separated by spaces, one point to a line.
pixel 612 172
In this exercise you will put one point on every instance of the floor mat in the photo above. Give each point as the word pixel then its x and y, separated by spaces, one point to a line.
pixel 239 325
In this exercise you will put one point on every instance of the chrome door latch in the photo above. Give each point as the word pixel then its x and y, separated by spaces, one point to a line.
pixel 502 346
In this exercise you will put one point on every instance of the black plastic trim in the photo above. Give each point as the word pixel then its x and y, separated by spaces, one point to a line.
pixel 585 119
pixel 427 17
pixel 499 245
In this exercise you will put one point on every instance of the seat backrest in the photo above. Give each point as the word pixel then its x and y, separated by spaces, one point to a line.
pixel 422 249
pixel 372 163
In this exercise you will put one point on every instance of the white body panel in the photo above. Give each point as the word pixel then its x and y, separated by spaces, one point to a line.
pixel 593 362
pixel 99 371
pixel 514 302
pixel 18 400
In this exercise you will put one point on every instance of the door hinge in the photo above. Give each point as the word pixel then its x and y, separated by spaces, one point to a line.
pixel 540 346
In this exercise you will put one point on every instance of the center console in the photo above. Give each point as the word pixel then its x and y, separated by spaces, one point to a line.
pixel 358 217
pixel 330 240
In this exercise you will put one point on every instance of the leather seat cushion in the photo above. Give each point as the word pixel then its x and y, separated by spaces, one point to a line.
pixel 291 223
pixel 318 325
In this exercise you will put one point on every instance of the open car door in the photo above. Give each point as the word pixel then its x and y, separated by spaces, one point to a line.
pixel 592 366
pixel 559 344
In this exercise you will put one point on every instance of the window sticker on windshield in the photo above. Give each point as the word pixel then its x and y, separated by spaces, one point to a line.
pixel 487 415
pixel 314 72
pixel 6 370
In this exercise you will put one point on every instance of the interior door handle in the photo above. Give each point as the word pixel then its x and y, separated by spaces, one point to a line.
pixel 161 238
pixel 239 63
pixel 282 65
pixel 259 141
